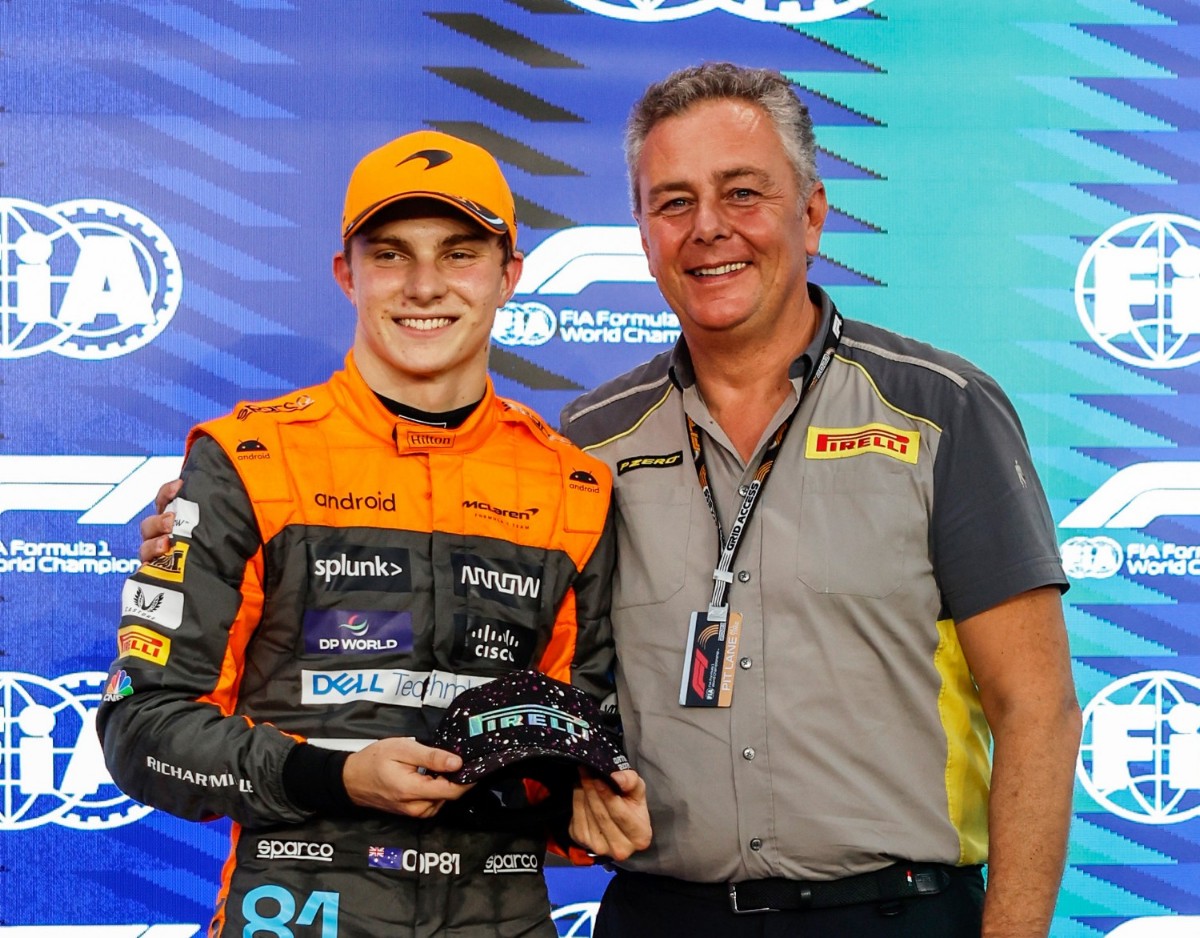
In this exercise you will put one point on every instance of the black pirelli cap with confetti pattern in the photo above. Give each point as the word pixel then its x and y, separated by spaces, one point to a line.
pixel 522 716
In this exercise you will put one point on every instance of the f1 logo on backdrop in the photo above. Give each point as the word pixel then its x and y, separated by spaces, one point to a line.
pixel 566 264
pixel 1138 494
pixel 765 11
pixel 58 774
pixel 1140 754
pixel 1137 291
pixel 106 489
pixel 87 279
pixel 1134 497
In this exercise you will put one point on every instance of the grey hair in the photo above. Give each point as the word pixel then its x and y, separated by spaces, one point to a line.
pixel 712 81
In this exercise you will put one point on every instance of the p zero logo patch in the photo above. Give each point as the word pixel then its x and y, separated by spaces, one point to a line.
pixel 840 442
pixel 137 642
pixel 514 584
pixel 345 568
pixel 344 631
pixel 481 640
pixel 649 462
pixel 169 566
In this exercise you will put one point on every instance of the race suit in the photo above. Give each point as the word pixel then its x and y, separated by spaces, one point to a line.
pixel 338 575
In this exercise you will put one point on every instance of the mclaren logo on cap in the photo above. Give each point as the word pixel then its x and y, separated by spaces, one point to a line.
pixel 432 158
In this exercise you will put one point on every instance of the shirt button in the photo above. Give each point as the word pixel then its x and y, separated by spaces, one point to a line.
pixel 756 844
pixel 742 490
pixel 745 664
pixel 748 753
pixel 743 576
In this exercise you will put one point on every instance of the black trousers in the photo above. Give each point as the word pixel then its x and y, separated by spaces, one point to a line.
pixel 647 907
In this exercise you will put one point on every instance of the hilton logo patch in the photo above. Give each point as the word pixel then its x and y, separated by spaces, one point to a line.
pixel 840 442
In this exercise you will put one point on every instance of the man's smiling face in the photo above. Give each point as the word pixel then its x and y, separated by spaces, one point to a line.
pixel 426 283
pixel 723 225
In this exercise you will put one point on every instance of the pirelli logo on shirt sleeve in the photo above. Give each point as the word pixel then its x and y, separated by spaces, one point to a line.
pixel 841 442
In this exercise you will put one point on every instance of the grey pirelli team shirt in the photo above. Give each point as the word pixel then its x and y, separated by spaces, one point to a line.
pixel 904 499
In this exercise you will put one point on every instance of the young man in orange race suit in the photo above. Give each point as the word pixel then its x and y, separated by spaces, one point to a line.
pixel 349 557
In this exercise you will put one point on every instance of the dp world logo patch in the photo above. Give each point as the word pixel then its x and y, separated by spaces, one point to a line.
pixel 1140 754
pixel 86 279
pixel 1137 291
pixel 765 11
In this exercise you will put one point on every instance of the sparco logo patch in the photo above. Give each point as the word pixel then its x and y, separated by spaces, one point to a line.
pixel 512 863
pixel 348 567
pixel 841 442
pixel 283 407
pixel 295 850
pixel 649 462
pixel 506 581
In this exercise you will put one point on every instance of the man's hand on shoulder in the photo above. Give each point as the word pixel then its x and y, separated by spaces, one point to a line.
pixel 609 823
pixel 156 529
pixel 388 775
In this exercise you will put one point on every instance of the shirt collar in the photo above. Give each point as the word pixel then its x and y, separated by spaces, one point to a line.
pixel 683 374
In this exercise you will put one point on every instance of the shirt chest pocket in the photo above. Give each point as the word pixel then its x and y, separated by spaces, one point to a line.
pixel 860 533
pixel 653 530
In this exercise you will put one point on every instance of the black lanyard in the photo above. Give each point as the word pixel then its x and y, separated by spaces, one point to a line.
pixel 728 546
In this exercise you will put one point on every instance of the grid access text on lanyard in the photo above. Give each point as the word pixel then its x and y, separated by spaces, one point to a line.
pixel 718 609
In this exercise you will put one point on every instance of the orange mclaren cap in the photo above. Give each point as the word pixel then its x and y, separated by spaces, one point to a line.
pixel 431 165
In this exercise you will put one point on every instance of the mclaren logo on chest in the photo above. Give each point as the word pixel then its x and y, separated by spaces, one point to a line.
pixel 842 442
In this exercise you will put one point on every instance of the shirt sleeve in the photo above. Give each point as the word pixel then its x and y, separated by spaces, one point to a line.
pixel 592 668
pixel 992 535
pixel 168 722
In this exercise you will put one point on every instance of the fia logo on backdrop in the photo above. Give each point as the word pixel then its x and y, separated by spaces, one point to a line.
pixel 1137 291
pixel 1140 754
pixel 86 279
pixel 58 774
